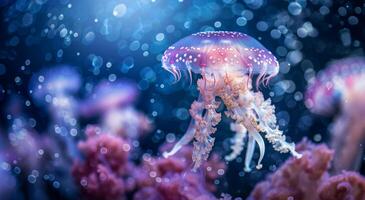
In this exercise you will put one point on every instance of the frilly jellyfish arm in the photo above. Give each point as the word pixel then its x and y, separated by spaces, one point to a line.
pixel 204 127
pixel 267 122
pixel 237 140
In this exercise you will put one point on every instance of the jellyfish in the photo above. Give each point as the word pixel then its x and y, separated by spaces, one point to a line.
pixel 55 88
pixel 227 62
pixel 113 100
pixel 340 90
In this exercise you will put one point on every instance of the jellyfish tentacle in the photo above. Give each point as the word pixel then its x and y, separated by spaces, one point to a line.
pixel 189 68
pixel 197 109
pixel 256 135
pixel 238 141
pixel 186 139
pixel 249 152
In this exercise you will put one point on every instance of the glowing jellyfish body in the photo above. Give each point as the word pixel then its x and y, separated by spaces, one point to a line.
pixel 341 86
pixel 227 62
pixel 54 82
pixel 110 95
pixel 113 101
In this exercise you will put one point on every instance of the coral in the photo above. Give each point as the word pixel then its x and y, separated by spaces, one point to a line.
pixel 348 185
pixel 297 178
pixel 308 179
pixel 104 172
pixel 172 178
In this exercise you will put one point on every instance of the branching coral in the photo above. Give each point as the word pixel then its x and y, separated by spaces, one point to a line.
pixel 348 185
pixel 308 179
pixel 104 172
pixel 172 178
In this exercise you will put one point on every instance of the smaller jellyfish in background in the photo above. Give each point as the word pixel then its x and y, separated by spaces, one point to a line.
pixel 341 87
pixel 113 100
pixel 55 88
pixel 227 62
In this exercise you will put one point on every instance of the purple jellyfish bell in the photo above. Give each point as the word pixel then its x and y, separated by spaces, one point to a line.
pixel 341 86
pixel 109 95
pixel 227 62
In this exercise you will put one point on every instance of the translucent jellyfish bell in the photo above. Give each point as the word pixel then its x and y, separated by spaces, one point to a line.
pixel 341 87
pixel 110 95
pixel 227 62
pixel 341 80
pixel 220 52
pixel 55 81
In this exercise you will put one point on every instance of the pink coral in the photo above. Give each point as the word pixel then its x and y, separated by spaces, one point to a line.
pixel 104 173
pixel 297 178
pixel 172 178
pixel 308 179
pixel 348 185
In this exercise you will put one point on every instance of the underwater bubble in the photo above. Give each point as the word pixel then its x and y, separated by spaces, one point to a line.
pixel 247 14
pixel 170 138
pixel 60 53
pixel 324 10
pixel 32 179
pixel 353 20
pixel 317 137
pixel 182 113
pixel 14 41
pixel 254 4
pixel 89 37
pixel 144 46
pixel 119 10
pixel 295 8
pixel 134 46
pixel 148 74
pixel 170 28
pixel 112 77
pixel 108 65
pixel 342 11
pixel 56 184
pixel 63 32
pixel 97 61
pixel 275 33
pixel 128 63
pixel 295 56
pixel 298 96
pixel 27 19
pixel 241 21
pixel 160 36
pixel 262 26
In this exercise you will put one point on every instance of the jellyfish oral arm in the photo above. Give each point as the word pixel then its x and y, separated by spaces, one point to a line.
pixel 238 141
pixel 267 122
pixel 205 125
